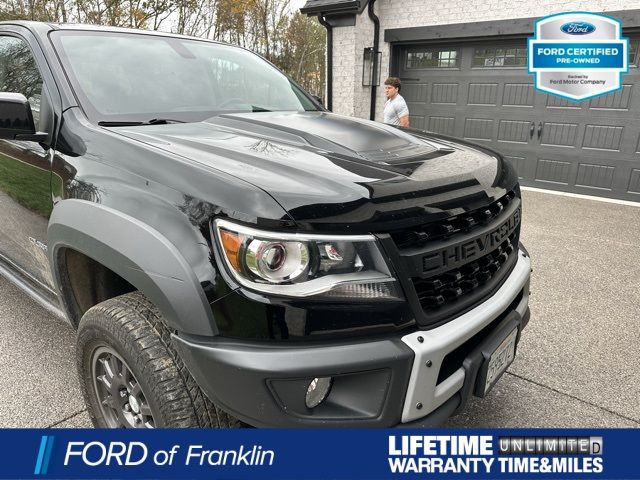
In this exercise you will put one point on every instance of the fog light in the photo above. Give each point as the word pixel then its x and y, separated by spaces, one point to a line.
pixel 318 391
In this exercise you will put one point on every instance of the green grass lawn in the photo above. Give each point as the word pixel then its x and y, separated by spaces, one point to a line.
pixel 28 185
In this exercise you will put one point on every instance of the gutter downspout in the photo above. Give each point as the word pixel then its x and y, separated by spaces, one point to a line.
pixel 329 28
pixel 376 46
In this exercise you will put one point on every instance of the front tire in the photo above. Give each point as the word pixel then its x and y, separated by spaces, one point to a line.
pixel 130 374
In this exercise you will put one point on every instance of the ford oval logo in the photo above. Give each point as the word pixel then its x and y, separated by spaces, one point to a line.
pixel 578 28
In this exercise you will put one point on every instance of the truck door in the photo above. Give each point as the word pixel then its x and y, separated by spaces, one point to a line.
pixel 25 171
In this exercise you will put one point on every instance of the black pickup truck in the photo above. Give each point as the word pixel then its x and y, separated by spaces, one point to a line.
pixel 232 253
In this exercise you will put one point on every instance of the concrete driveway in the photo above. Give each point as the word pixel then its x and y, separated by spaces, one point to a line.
pixel 577 365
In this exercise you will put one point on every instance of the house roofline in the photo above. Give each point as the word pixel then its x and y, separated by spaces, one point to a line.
pixel 337 7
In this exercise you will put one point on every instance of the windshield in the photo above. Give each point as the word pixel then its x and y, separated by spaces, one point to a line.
pixel 128 77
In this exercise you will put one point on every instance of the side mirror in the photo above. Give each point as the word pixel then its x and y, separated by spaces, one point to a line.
pixel 16 119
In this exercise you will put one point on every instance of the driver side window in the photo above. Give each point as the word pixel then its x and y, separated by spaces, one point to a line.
pixel 19 73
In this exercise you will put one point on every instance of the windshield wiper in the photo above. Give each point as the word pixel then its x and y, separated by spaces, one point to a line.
pixel 255 108
pixel 119 124
pixel 153 121
pixel 162 121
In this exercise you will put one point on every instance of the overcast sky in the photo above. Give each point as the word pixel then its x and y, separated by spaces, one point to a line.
pixel 297 3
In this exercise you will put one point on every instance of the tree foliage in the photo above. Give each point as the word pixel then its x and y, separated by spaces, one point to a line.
pixel 290 40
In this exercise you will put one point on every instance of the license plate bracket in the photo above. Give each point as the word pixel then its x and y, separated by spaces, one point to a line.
pixel 497 355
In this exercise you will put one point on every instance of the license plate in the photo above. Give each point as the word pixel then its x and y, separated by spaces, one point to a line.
pixel 500 359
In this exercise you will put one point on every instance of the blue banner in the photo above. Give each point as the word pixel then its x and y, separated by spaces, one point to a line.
pixel 320 454
pixel 577 55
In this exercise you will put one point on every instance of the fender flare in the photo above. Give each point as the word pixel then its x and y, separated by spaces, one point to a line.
pixel 136 252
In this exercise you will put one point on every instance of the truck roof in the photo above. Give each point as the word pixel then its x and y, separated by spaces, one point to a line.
pixel 45 27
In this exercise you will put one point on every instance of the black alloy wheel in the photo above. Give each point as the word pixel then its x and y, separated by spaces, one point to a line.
pixel 122 401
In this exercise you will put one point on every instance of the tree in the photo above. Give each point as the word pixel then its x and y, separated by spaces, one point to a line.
pixel 303 55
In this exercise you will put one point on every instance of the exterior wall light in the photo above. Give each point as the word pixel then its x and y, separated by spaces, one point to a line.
pixel 371 62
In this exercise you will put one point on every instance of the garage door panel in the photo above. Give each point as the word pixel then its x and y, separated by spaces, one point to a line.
pixel 559 134
pixel 553 171
pixel 596 176
pixel 514 131
pixel 483 94
pixel 444 93
pixel 619 100
pixel 415 92
pixel 518 95
pixel 417 122
pixel 634 181
pixel 478 129
pixel 417 109
pixel 443 125
pixel 562 103
pixel 603 137
pixel 622 176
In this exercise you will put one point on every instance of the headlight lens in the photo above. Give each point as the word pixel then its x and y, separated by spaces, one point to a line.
pixel 298 265
pixel 277 262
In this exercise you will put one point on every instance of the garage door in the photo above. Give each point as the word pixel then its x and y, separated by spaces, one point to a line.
pixel 481 91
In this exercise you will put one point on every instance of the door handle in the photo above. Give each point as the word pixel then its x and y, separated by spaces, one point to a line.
pixel 540 125
pixel 532 129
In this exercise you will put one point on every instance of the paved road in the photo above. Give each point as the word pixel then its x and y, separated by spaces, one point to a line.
pixel 577 365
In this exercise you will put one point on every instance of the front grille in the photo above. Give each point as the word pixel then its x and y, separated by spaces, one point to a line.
pixel 455 263
pixel 450 226
pixel 447 288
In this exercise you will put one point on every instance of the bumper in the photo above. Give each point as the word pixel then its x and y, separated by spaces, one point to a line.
pixel 381 383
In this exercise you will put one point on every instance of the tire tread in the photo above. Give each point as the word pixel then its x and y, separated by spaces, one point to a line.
pixel 138 326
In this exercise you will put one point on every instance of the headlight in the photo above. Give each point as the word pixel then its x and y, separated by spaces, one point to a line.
pixel 298 265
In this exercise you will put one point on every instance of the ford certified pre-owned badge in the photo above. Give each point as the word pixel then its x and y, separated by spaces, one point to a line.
pixel 578 55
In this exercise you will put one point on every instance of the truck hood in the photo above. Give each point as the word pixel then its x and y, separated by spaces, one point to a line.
pixel 328 171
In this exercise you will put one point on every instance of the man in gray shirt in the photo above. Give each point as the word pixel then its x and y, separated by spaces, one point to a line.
pixel 396 111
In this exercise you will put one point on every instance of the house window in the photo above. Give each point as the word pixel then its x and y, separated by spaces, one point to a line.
pixel 500 57
pixel 433 58
pixel 633 51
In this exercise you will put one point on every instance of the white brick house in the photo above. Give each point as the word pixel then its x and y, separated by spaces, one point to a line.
pixel 463 72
